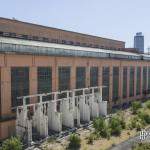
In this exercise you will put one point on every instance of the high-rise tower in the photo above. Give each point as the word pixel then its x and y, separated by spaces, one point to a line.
pixel 139 41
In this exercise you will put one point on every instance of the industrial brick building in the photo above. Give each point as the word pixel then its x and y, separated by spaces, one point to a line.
pixel 37 59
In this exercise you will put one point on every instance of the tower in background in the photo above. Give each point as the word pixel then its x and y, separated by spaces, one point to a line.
pixel 139 41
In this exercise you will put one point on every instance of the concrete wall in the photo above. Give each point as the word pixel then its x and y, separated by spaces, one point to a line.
pixel 12 60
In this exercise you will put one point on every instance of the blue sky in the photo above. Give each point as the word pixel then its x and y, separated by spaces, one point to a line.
pixel 118 19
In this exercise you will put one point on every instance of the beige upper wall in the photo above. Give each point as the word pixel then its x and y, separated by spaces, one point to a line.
pixel 10 60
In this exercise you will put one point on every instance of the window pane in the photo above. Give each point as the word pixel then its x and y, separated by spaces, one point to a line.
pixel 0 94
pixel 115 82
pixel 138 80
pixel 124 82
pixel 80 77
pixel 131 81
pixel 148 79
pixel 64 78
pixel 144 80
pixel 44 81
pixel 105 83
pixel 19 84
pixel 93 76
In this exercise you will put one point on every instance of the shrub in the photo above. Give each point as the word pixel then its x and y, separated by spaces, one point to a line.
pixel 13 143
pixel 105 133
pixel 132 123
pixel 121 117
pixel 74 141
pixel 148 104
pixel 101 128
pixel 144 116
pixel 93 136
pixel 123 123
pixel 135 107
pixel 137 123
pixel 141 146
pixel 90 139
pixel 115 126
pixel 139 126
pixel 99 124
